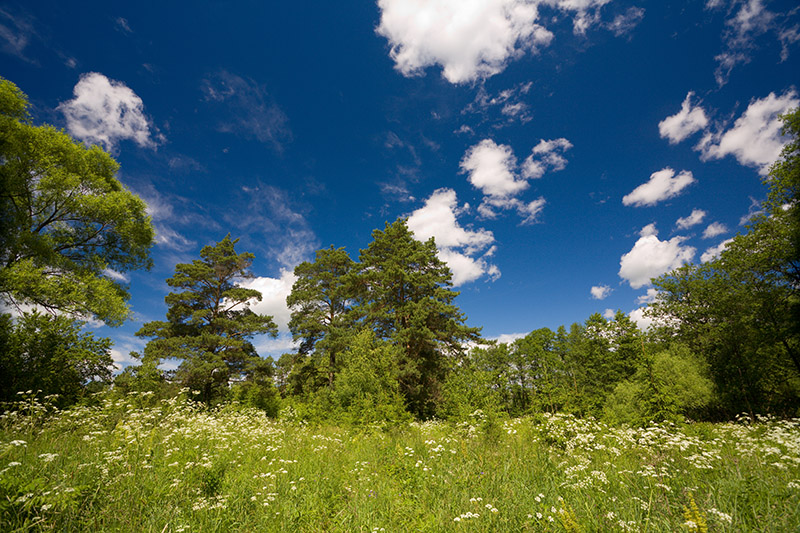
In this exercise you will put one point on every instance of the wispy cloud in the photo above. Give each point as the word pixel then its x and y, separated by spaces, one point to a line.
pixel 747 21
pixel 249 109
pixel 273 224
pixel 16 33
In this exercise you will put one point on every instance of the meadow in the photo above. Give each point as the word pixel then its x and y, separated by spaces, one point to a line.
pixel 141 464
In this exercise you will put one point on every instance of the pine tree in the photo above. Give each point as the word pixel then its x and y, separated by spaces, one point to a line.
pixel 405 295
pixel 320 301
pixel 209 323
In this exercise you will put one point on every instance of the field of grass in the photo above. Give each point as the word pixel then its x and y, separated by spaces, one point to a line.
pixel 172 466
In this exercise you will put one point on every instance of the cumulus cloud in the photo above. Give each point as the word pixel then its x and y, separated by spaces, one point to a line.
pixel 105 112
pixel 649 297
pixel 469 39
pixel 755 139
pixel 600 292
pixel 492 168
pixel 696 217
pixel 651 257
pixel 662 185
pixel 466 252
pixel 689 120
pixel 267 346
pixel 547 155
pixel 714 251
pixel 273 297
pixel 642 321
pixel 714 229
pixel 609 314
pixel 475 39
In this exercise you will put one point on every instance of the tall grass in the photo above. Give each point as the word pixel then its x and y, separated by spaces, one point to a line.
pixel 139 465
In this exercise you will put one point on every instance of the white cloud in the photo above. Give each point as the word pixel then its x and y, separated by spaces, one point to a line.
pixel 638 317
pixel 461 249
pixel 492 169
pixel 267 346
pixel 690 119
pixel 510 103
pixel 469 39
pixel 106 112
pixel 714 229
pixel 116 276
pixel 662 185
pixel 600 292
pixel 508 338
pixel 714 251
pixel 626 22
pixel 648 297
pixel 273 297
pixel 755 138
pixel 121 360
pixel 651 257
pixel 586 12
pixel 648 230
pixel 741 30
pixel 530 211
pixel 693 219
pixel 609 314
pixel 437 219
pixel 547 155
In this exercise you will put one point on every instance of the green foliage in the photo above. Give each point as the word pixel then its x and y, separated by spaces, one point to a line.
pixel 52 355
pixel 405 296
pixel 466 390
pixel 740 310
pixel 67 226
pixel 320 301
pixel 174 466
pixel 670 385
pixel 209 322
pixel 367 389
pixel 258 390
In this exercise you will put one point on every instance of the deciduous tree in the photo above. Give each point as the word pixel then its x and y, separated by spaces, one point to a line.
pixel 68 227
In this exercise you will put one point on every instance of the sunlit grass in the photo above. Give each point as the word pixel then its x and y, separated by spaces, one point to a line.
pixel 173 466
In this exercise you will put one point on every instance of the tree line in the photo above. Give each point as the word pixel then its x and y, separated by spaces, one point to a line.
pixel 380 337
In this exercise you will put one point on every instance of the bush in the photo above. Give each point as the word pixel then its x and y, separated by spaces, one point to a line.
pixel 668 386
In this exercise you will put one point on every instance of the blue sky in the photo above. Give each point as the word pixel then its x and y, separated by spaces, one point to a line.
pixel 561 152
